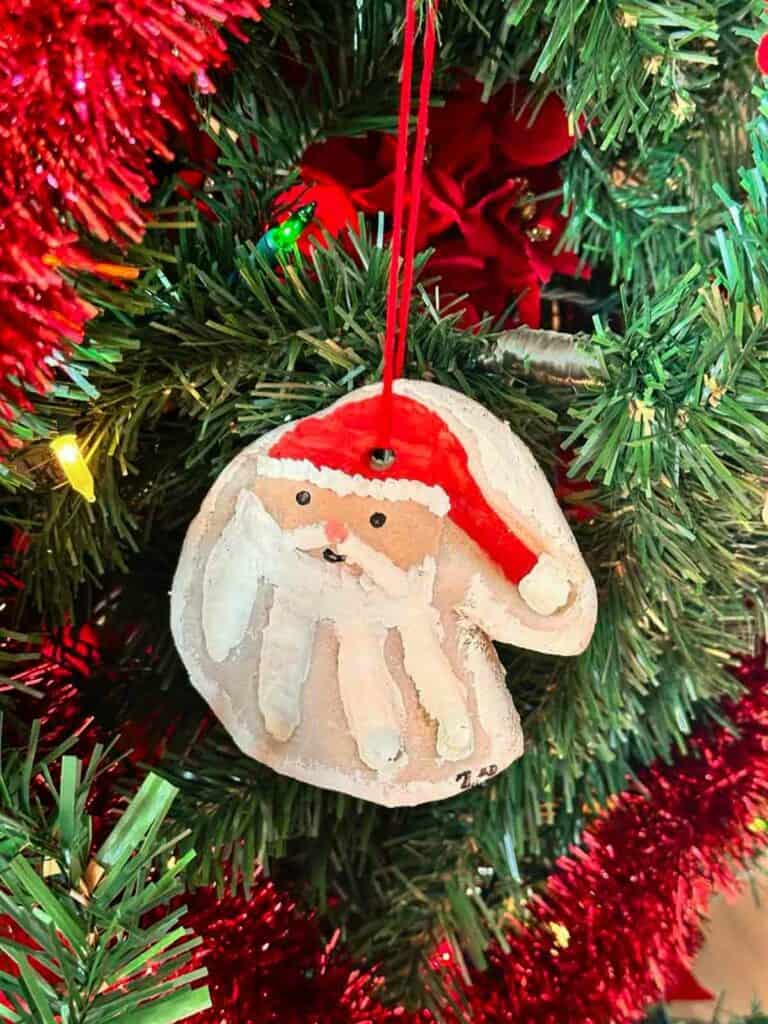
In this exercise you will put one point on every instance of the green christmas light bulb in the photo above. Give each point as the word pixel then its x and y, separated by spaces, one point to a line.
pixel 281 239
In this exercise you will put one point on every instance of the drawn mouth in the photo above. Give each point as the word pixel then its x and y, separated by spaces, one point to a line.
pixel 333 556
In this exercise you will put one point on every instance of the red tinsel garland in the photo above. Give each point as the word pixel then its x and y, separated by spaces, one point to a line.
pixel 631 897
pixel 617 918
pixel 88 89
pixel 608 935
pixel 267 964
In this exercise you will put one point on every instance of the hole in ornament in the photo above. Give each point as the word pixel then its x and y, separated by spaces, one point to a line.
pixel 381 458
pixel 377 520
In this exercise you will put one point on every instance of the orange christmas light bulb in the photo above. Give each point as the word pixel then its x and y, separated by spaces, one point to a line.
pixel 73 465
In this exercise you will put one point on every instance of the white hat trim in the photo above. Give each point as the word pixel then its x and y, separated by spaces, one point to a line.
pixel 391 489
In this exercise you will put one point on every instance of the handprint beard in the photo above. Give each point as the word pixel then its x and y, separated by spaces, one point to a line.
pixel 332 661
pixel 320 574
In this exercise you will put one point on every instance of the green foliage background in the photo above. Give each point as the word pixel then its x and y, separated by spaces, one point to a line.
pixel 100 953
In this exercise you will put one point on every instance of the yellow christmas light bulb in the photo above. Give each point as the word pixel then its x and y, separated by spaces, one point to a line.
pixel 70 458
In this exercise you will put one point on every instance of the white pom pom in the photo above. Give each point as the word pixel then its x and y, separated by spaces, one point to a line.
pixel 546 587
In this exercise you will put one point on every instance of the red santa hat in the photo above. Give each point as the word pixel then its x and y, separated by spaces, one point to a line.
pixel 431 465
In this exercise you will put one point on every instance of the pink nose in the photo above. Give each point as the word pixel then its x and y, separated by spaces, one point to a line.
pixel 335 531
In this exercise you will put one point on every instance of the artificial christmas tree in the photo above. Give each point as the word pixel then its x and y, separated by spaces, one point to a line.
pixel 584 235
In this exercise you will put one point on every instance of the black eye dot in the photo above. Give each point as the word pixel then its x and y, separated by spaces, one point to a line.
pixel 378 519
pixel 303 498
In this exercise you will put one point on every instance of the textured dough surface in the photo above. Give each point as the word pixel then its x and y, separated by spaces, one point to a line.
pixel 469 596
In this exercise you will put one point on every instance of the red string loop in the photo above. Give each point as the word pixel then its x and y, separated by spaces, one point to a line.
pixel 399 294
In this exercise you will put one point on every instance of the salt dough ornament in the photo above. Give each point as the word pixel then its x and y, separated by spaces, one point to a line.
pixel 336 615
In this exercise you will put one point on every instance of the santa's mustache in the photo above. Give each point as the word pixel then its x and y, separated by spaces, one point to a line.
pixel 341 545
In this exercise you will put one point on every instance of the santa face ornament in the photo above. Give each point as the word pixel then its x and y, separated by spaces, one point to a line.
pixel 336 613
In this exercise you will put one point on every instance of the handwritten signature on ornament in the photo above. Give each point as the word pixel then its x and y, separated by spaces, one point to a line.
pixel 467 782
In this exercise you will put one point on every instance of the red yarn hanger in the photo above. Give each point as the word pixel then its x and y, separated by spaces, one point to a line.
pixel 399 292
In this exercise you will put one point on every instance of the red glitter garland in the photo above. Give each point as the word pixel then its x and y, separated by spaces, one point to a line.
pixel 626 905
pixel 88 89
pixel 608 934
pixel 615 922
pixel 267 964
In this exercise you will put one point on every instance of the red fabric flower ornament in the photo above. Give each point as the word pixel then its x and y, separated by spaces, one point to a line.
pixel 490 201
pixel 761 55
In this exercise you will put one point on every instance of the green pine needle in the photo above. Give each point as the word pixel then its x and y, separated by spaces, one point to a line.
pixel 97 957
